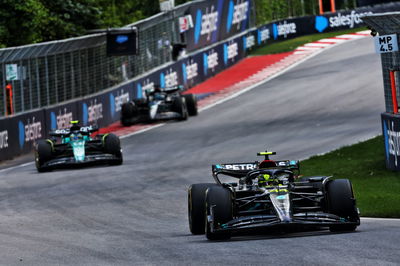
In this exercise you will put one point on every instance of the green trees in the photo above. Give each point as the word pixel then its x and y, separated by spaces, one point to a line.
pixel 21 22
pixel 31 21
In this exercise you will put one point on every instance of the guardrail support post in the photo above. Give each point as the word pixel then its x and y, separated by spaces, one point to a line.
pixel 394 94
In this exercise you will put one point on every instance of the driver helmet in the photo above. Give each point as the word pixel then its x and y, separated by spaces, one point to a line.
pixel 76 135
pixel 264 180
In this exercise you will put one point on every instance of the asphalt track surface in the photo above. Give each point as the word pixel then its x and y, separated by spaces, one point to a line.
pixel 136 214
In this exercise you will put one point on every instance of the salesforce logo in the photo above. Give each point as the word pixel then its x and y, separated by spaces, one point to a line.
pixel 263 35
pixel 236 14
pixel 62 120
pixel 117 101
pixel 321 23
pixel 168 80
pixel 92 113
pixel 283 29
pixel 210 61
pixel 121 39
pixel 230 52
pixel 189 71
pixel 248 42
pixel 205 24
pixel 29 132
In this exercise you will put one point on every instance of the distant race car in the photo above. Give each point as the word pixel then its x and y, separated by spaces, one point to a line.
pixel 269 194
pixel 74 147
pixel 159 104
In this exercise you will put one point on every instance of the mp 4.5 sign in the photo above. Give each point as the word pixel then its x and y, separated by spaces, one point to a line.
pixel 386 44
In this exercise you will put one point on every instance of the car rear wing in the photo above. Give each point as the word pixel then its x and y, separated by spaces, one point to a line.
pixel 86 130
pixel 239 170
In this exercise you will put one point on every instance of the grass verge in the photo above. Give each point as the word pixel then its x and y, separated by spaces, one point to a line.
pixel 377 189
pixel 290 45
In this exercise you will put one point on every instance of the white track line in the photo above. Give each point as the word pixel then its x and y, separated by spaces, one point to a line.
pixel 380 219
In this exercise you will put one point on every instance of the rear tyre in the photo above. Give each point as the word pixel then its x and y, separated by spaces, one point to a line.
pixel 219 200
pixel 44 153
pixel 197 207
pixel 191 103
pixel 179 106
pixel 128 112
pixel 112 145
pixel 342 203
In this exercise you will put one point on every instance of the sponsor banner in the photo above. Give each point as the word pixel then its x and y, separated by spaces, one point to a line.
pixel 391 135
pixel 233 51
pixel 207 16
pixel 250 41
pixel 212 61
pixel 349 19
pixel 117 97
pixel 216 20
pixel 60 116
pixel 170 76
pixel 144 84
pixel 30 127
pixel 192 72
pixel 19 134
pixel 235 18
pixel 95 111
pixel 7 150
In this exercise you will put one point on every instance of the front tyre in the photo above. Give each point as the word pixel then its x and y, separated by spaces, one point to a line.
pixel 197 207
pixel 179 106
pixel 112 145
pixel 219 204
pixel 128 113
pixel 342 203
pixel 43 153
pixel 191 103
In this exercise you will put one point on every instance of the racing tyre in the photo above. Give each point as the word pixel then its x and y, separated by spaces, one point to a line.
pixel 112 145
pixel 179 106
pixel 342 203
pixel 128 111
pixel 219 204
pixel 191 103
pixel 197 207
pixel 43 154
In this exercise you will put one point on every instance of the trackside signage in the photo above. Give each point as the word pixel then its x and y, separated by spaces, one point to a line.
pixel 391 134
pixel 386 44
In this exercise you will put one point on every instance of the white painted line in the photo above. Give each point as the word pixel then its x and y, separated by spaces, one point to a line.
pixel 15 167
pixel 309 48
pixel 317 44
pixel 332 40
pixel 380 219
pixel 142 130
pixel 350 36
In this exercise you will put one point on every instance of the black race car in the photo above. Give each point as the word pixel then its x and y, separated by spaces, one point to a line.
pixel 159 104
pixel 75 147
pixel 269 194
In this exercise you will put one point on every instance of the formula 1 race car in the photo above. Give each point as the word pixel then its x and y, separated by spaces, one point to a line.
pixel 269 194
pixel 74 147
pixel 159 104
